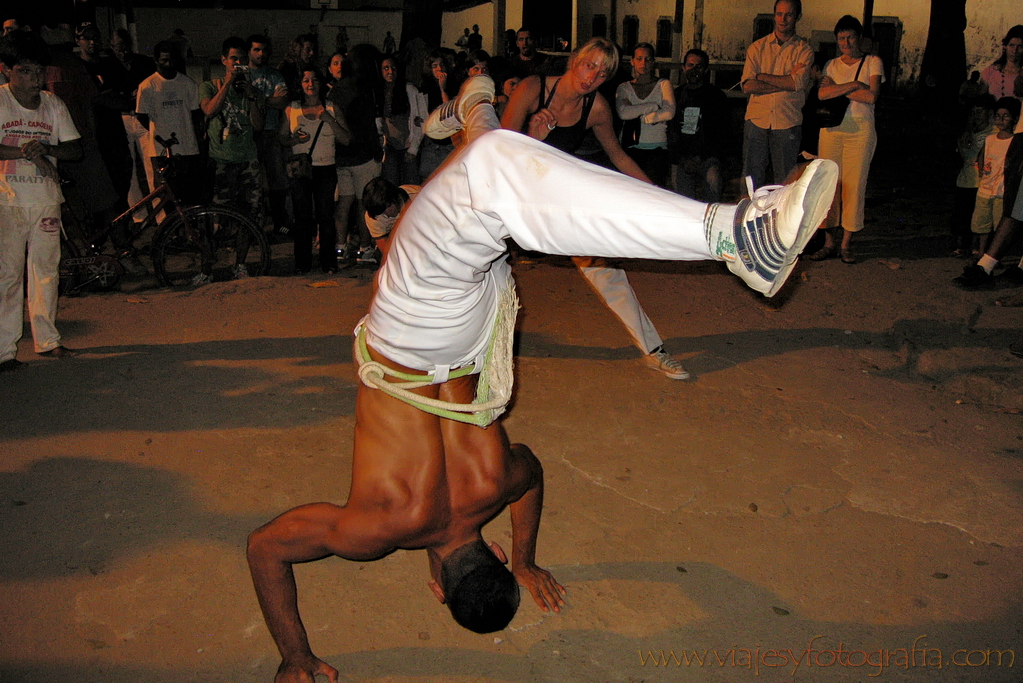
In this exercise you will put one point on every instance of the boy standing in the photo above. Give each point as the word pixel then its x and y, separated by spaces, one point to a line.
pixel 991 166
pixel 970 144
pixel 35 132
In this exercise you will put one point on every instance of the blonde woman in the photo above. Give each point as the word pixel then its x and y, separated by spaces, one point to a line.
pixel 560 111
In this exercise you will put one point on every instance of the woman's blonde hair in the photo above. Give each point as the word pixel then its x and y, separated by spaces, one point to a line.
pixel 607 52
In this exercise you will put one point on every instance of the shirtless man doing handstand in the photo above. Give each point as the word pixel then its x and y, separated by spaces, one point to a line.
pixel 431 466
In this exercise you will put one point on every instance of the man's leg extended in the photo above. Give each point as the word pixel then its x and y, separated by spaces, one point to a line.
pixel 525 197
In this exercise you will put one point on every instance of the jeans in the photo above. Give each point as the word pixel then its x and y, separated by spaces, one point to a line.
pixel 313 201
pixel 763 145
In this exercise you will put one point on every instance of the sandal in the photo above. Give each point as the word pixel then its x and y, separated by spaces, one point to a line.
pixel 847 256
pixel 822 254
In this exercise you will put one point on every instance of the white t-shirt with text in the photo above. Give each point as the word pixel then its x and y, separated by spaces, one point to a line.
pixel 21 182
pixel 169 104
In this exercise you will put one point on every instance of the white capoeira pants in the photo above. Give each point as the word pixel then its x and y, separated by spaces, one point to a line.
pixel 29 236
pixel 438 289
pixel 612 285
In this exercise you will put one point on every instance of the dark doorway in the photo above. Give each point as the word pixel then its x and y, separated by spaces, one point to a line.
pixel 548 20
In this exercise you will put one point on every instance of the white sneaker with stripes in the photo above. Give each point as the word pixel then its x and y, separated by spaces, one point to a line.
pixel 774 225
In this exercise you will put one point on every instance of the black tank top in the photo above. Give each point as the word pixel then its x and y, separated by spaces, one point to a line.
pixel 566 138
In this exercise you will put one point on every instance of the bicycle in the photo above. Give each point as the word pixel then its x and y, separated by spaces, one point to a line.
pixel 193 245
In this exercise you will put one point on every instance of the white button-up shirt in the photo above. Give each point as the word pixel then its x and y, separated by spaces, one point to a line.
pixel 794 58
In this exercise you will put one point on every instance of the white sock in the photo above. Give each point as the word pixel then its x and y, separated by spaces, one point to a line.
pixel 987 263
pixel 719 230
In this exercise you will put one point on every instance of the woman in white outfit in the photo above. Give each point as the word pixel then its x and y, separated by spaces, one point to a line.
pixel 850 144
pixel 646 104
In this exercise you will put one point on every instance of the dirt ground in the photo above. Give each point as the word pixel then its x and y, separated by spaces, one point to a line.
pixel 843 474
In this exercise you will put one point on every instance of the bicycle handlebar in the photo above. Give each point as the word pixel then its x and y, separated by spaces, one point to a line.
pixel 169 142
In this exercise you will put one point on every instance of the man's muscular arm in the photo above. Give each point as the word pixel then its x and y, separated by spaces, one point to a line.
pixel 525 517
pixel 306 533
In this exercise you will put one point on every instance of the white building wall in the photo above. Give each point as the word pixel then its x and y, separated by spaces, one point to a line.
pixel 987 22
pixel 455 22
pixel 728 25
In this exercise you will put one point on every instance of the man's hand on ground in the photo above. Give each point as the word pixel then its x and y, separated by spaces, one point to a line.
pixel 304 670
pixel 544 588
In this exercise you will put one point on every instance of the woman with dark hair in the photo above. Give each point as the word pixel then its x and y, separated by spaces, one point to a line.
pixel 301 54
pixel 359 98
pixel 438 88
pixel 404 110
pixel 336 69
pixel 850 144
pixel 1004 78
pixel 476 63
pixel 308 126
pixel 646 104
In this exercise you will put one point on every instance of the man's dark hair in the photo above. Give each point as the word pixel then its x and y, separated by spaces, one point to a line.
pixel 257 38
pixel 481 593
pixel 1009 104
pixel 19 47
pixel 797 4
pixel 380 193
pixel 233 43
pixel 699 53
pixel 849 23
pixel 123 34
pixel 165 47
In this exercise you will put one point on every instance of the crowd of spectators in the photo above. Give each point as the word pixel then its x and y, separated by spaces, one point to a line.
pixel 358 116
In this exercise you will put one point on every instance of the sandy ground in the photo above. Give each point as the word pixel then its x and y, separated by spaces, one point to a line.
pixel 845 472
pixel 844 466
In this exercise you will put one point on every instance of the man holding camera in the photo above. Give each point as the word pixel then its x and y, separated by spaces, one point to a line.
pixel 234 112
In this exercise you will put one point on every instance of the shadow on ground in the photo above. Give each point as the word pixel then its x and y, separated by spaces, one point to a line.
pixel 173 387
pixel 107 510
pixel 215 385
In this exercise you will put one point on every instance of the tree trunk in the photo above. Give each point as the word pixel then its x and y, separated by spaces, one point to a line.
pixel 943 67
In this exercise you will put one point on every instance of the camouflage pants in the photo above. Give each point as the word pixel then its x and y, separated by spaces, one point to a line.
pixel 239 186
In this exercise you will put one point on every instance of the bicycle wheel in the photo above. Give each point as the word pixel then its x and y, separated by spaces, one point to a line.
pixel 83 270
pixel 207 245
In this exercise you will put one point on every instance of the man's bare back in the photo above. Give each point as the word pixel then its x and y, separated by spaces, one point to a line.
pixel 418 482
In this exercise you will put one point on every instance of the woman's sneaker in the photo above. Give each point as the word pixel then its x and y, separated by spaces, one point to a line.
pixel 659 360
